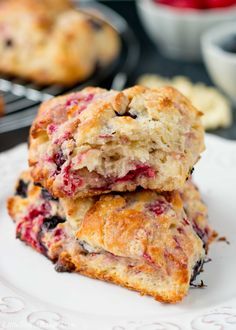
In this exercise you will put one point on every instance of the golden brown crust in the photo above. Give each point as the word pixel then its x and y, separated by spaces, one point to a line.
pixel 76 264
pixel 115 141
pixel 49 41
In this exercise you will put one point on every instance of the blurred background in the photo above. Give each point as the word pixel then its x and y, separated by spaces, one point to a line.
pixel 190 44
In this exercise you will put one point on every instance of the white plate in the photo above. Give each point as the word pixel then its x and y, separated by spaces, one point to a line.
pixel 33 295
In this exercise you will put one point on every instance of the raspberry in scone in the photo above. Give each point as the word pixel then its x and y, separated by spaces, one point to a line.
pixel 153 243
pixel 97 141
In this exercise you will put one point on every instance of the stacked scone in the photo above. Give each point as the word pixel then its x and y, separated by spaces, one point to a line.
pixel 109 193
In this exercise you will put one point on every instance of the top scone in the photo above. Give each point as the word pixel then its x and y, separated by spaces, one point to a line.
pixel 49 41
pixel 96 141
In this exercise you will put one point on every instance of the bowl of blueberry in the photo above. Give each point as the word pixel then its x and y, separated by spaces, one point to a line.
pixel 176 26
pixel 219 54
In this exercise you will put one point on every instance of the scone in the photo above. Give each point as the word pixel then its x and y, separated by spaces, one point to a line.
pixel 215 106
pixel 96 141
pixel 144 240
pixel 48 41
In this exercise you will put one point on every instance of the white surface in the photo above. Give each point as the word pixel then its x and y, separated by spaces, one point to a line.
pixel 33 295
pixel 221 65
pixel 178 32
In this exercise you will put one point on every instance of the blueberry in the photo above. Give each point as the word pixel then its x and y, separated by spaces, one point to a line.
pixel 59 160
pixel 51 222
pixel 21 189
pixel 196 270
pixel 43 248
pixel 64 267
pixel 201 234
pixel 37 184
pixel 47 196
pixel 191 170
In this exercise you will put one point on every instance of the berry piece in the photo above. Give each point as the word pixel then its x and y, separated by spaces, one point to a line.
pixel 158 207
pixel 141 170
pixel 71 180
pixel 51 222
pixel 47 196
pixel 21 189
pixel 196 270
pixel 59 160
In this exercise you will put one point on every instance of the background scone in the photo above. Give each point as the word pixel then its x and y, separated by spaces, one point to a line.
pixel 51 42
pixel 141 240
pixel 215 106
pixel 96 141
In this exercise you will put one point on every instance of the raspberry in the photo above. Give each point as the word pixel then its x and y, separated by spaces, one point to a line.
pixel 141 170
pixel 158 207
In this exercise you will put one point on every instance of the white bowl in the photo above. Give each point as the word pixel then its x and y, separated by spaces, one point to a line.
pixel 221 65
pixel 178 32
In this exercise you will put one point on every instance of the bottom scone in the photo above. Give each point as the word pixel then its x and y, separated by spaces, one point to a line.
pixel 146 241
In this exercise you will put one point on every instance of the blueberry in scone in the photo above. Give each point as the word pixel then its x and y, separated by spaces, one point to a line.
pixel 144 240
pixel 96 141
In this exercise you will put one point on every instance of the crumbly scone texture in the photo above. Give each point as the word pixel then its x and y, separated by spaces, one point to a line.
pixel 142 240
pixel 49 41
pixel 96 141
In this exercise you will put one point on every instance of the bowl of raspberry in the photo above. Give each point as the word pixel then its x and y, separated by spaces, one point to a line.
pixel 176 26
